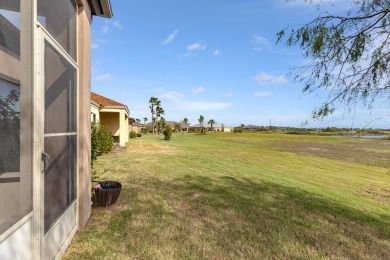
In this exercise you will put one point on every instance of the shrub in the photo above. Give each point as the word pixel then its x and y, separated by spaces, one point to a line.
pixel 106 139
pixel 144 130
pixel 167 132
pixel 95 144
pixel 101 140
pixel 132 134
pixel 139 134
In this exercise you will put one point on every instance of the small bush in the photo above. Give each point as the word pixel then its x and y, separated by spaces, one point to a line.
pixel 144 130
pixel 106 139
pixel 167 132
pixel 101 140
pixel 132 134
pixel 139 134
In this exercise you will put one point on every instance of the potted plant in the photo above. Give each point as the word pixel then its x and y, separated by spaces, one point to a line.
pixel 107 192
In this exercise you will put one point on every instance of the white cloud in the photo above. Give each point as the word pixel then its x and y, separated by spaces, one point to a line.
pixel 109 24
pixel 264 78
pixel 171 37
pixel 229 94
pixel 105 29
pixel 203 106
pixel 94 45
pixel 197 46
pixel 171 95
pixel 104 77
pixel 116 24
pixel 263 94
pixel 198 90
pixel 260 43
pixel 217 53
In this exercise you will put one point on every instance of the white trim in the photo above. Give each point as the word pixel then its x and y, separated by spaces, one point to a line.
pixel 56 45
pixel 71 212
pixel 58 240
pixel 61 134
pixel 15 227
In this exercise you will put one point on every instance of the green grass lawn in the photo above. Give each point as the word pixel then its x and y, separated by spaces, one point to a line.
pixel 243 196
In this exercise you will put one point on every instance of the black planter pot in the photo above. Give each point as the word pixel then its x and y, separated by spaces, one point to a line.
pixel 107 192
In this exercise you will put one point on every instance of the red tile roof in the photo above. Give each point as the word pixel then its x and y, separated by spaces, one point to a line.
pixel 103 101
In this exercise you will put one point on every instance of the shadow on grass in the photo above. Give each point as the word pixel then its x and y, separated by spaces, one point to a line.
pixel 197 217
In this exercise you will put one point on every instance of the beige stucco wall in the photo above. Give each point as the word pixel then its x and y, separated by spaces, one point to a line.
pixel 110 119
pixel 124 128
pixel 10 66
pixel 95 111
pixel 135 128
pixel 117 122
pixel 84 142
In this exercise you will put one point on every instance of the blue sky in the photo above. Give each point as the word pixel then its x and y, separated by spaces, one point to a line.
pixel 216 58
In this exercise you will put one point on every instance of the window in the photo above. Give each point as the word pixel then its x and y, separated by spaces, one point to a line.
pixel 15 177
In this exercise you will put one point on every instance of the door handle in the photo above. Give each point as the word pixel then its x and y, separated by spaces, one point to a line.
pixel 45 158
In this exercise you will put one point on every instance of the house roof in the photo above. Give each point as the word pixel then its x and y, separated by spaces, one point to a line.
pixel 101 8
pixel 103 101
pixel 106 102
pixel 216 125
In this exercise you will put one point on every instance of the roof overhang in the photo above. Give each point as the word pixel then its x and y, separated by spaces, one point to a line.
pixel 115 107
pixel 101 8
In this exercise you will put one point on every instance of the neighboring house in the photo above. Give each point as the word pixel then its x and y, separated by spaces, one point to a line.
pixel 170 123
pixel 45 167
pixel 113 114
pixel 183 127
pixel 216 127
pixel 135 126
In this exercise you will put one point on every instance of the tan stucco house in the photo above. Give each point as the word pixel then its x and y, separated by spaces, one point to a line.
pixel 113 114
pixel 135 126
pixel 216 127
pixel 45 80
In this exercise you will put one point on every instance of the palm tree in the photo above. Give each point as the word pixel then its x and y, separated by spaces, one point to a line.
pixel 152 104
pixel 145 120
pixel 159 111
pixel 211 122
pixel 201 120
pixel 138 120
pixel 185 122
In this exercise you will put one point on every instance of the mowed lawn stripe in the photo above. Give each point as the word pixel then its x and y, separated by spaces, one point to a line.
pixel 229 196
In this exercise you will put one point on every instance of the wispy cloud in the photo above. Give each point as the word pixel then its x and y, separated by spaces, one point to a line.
pixel 108 27
pixel 171 95
pixel 171 37
pixel 260 43
pixel 116 24
pixel 263 94
pixel 197 46
pixel 203 106
pixel 94 45
pixel 229 94
pixel 217 53
pixel 264 78
pixel 104 77
pixel 105 28
pixel 198 90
